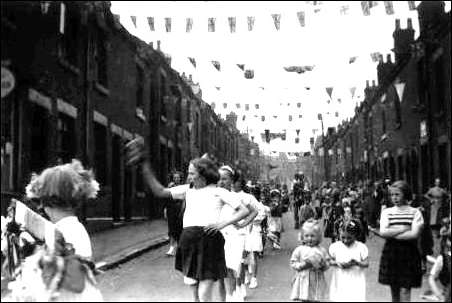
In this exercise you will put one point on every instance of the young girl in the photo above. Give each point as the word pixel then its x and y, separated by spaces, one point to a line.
pixel 441 271
pixel 310 261
pixel 349 256
pixel 275 220
pixel 400 225
pixel 60 190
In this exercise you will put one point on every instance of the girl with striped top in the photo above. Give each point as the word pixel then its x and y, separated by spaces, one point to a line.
pixel 400 225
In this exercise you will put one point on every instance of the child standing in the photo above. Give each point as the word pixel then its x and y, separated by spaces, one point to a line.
pixel 275 220
pixel 441 271
pixel 310 261
pixel 349 257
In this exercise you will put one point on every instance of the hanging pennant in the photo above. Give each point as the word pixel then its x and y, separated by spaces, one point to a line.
pixel 351 60
pixel 352 91
pixel 263 118
pixel 247 107
pixel 190 126
pixel 321 152
pixel 300 116
pixel 225 105
pixel 336 114
pixel 298 132
pixel 249 74
pixel 168 25
pixel 250 23
pixel 412 5
pixel 277 20
pixel 375 56
pixel 232 22
pixel 189 25
pixel 372 3
pixel 311 140
pixel 389 7
pixel 237 105
pixel 344 10
pixel 257 106
pixel 319 116
pixel 241 66
pixel 275 117
pixel 218 87
pixel 192 61
pixel 151 23
pixel 297 140
pixel 329 90
pixel 211 24
pixel 290 117
pixel 400 87
pixel 216 64
pixel 134 20
pixel 339 100
pixel 301 18
pixel 365 7
pixel 243 118
pixel 298 104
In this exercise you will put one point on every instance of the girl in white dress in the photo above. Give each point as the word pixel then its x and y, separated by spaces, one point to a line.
pixel 349 258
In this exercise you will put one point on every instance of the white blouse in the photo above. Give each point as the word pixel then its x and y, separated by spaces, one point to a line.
pixel 203 206
pixel 75 233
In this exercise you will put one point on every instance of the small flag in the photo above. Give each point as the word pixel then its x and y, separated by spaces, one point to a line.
pixel 319 116
pixel 257 106
pixel 250 23
pixel 232 22
pixel 189 25
pixel 211 24
pixel 275 116
pixel 267 135
pixel 365 7
pixel 151 23
pixel 344 10
pixel 168 25
pixel 298 104
pixel 297 140
pixel 389 7
pixel 307 88
pixel 237 105
pixel 301 18
pixel 339 100
pixel 192 61
pixel 336 114
pixel 243 118
pixel 290 117
pixel 249 74
pixel 134 20
pixel 277 20
pixel 218 87
pixel 225 105
pixel 247 107
pixel 300 116
pixel 412 5
pixel 311 140
pixel 329 90
pixel 351 60
pixel 263 118
pixel 375 56
pixel 352 91
pixel 241 66
pixel 216 64
pixel 298 132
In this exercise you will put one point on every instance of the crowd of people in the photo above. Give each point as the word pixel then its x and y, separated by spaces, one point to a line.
pixel 219 225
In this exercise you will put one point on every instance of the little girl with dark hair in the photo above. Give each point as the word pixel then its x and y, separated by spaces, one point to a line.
pixel 349 257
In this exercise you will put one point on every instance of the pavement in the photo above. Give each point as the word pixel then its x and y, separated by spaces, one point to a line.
pixel 120 244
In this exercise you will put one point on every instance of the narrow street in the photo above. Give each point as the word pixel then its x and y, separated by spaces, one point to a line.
pixel 152 277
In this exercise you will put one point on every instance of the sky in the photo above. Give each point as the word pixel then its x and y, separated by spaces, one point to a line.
pixel 326 42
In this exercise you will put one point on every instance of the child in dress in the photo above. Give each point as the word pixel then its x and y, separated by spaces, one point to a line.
pixel 349 257
pixel 310 261
pixel 441 272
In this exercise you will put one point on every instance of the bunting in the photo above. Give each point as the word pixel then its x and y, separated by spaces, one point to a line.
pixel 249 74
pixel 300 116
pixel 297 140
pixel 298 132
pixel 389 7
pixel 225 105
pixel 241 66
pixel 232 22
pixel 216 64
pixel 134 20
pixel 168 25
pixel 319 116
pixel 352 60
pixel 344 10
pixel 365 7
pixel 298 104
pixel 211 24
pixel 237 105
pixel 218 87
pixel 311 140
pixel 256 105
pixel 329 90
pixel 212 105
pixel 189 25
pixel 352 91
pixel 250 23
pixel 151 23
pixel 192 61
pixel 412 5
pixel 277 20
pixel 290 117
pixel 247 107
pixel 375 56
pixel 301 18
pixel 299 69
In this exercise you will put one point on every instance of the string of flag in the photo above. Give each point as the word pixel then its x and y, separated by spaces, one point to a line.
pixel 366 7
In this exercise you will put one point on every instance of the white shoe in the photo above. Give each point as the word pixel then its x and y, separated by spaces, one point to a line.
pixel 247 279
pixel 253 283
pixel 237 296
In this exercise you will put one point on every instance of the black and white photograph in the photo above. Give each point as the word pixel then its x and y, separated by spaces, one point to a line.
pixel 226 151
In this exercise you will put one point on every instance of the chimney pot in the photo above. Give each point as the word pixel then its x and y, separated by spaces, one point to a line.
pixel 409 23
pixel 158 44
pixel 397 24
pixel 367 83
pixel 373 83
pixel 388 58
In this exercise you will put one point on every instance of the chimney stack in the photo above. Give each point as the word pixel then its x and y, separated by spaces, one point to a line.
pixel 158 45
pixel 403 38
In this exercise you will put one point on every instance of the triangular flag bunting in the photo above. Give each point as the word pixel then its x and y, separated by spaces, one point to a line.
pixel 412 5
pixel 344 10
pixel 250 23
pixel 400 87
pixel 217 87
pixel 351 60
pixel 352 91
pixel 168 25
pixel 134 20
pixel 211 24
pixel 375 56
pixel 277 20
pixel 151 23
pixel 189 25
pixel 217 65
pixel 232 22
pixel 298 132
pixel 249 74
pixel 389 7
pixel 241 66
pixel 365 7
pixel 329 90
pixel 301 18
pixel 192 61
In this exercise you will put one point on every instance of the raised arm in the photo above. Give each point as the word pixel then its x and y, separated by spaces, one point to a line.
pixel 136 154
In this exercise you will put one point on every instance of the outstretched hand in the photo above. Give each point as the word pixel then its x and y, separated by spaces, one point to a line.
pixel 135 151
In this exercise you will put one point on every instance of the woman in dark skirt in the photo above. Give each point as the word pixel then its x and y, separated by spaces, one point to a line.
pixel 400 225
pixel 200 253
